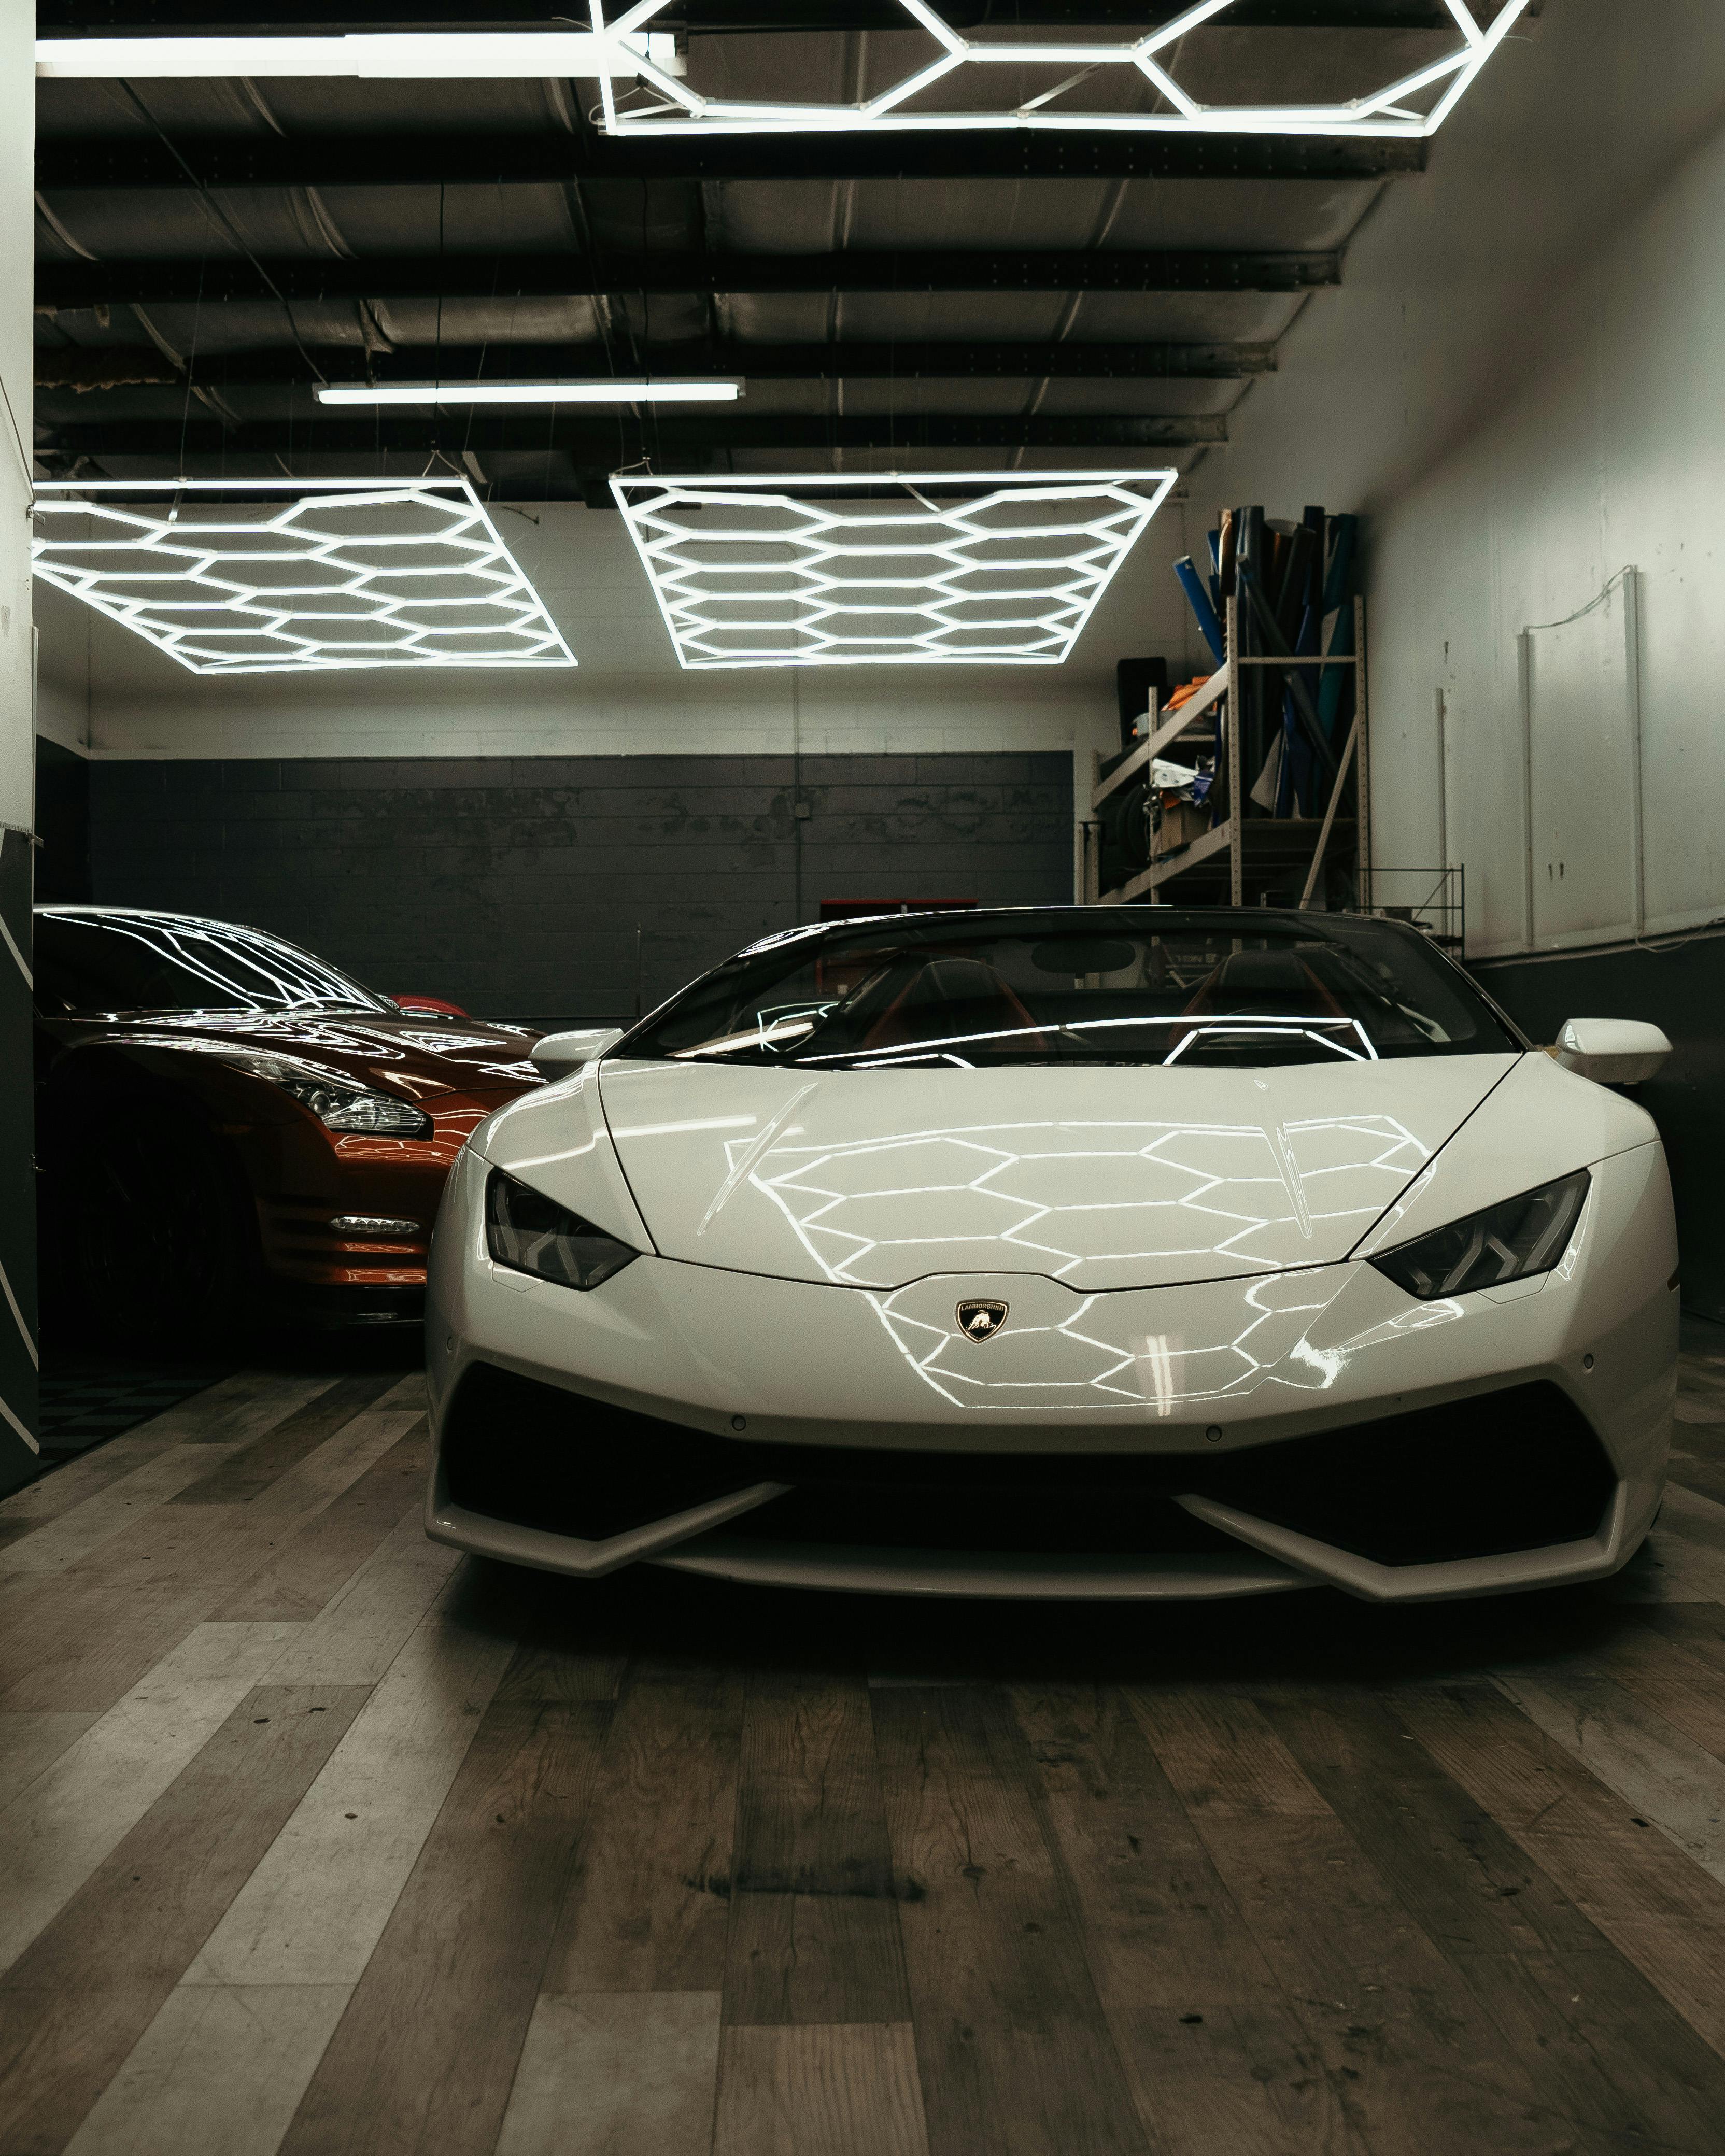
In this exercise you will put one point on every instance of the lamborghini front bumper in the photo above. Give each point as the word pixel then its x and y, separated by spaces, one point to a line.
pixel 1216 1438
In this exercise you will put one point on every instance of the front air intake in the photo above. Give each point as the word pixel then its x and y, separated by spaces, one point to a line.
pixel 1516 1469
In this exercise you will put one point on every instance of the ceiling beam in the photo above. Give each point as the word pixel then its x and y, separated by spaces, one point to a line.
pixel 593 441
pixel 135 161
pixel 112 366
pixel 72 285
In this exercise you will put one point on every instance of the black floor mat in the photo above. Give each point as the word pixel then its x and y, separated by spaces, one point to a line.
pixel 89 1399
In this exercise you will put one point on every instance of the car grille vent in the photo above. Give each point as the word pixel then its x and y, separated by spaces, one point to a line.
pixel 1513 1470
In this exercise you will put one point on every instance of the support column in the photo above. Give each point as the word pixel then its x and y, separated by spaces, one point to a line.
pixel 18 751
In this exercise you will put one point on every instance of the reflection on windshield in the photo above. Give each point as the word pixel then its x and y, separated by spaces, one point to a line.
pixel 1341 1036
pixel 119 965
pixel 1209 989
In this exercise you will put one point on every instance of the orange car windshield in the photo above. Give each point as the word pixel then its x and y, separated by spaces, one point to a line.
pixel 119 965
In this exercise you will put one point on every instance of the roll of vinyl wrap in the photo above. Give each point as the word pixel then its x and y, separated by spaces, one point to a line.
pixel 1192 585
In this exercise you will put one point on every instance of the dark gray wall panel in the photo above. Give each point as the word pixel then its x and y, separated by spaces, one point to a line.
pixel 1683 990
pixel 515 885
pixel 62 823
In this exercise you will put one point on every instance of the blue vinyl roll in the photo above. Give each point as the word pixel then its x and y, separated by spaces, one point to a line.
pixel 1192 585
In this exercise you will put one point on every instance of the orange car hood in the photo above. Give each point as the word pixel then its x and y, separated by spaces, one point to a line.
pixel 418 1056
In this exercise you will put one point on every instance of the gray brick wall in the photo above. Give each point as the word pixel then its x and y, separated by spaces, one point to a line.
pixel 514 886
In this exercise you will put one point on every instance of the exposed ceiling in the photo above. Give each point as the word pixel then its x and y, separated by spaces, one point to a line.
pixel 210 250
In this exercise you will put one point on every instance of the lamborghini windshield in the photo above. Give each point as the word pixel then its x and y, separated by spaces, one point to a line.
pixel 1139 985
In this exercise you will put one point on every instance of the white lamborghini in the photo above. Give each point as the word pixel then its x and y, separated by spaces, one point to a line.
pixel 1125 1252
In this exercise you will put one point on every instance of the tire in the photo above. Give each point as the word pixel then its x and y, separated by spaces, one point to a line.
pixel 162 1243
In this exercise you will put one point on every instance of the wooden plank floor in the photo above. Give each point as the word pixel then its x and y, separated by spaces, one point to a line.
pixel 316 1838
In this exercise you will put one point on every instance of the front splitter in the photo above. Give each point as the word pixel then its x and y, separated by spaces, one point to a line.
pixel 1270 1560
pixel 1021 1576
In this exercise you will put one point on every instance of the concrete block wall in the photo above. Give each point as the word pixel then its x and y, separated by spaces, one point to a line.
pixel 517 885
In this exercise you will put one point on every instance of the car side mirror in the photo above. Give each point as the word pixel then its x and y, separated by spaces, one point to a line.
pixel 1612 1051
pixel 558 1054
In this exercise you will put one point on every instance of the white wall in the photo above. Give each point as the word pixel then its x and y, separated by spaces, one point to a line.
pixel 1521 384
pixel 63 713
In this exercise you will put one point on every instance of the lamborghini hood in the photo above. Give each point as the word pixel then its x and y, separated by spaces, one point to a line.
pixel 1116 1177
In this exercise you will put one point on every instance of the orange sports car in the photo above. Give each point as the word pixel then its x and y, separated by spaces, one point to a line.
pixel 230 1127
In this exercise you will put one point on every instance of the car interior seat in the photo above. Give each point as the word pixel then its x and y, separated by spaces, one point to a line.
pixel 946 997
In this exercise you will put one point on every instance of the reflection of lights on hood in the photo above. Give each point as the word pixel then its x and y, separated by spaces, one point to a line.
pixel 441 1043
pixel 1416 104
pixel 1419 1319
pixel 680 1128
pixel 261 1063
pixel 991 1198
pixel 743 1157
pixel 1094 1355
pixel 1156 1373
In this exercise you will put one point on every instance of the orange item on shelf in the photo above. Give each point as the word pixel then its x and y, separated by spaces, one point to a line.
pixel 1186 691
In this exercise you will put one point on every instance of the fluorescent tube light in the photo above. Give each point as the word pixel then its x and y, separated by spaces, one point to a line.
pixel 347 573
pixel 773 572
pixel 533 392
pixel 183 484
pixel 390 56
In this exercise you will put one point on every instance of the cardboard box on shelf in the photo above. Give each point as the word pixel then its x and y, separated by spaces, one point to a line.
pixel 1181 823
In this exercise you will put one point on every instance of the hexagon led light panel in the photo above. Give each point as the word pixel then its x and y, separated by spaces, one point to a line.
pixel 787 571
pixel 1019 80
pixel 228 579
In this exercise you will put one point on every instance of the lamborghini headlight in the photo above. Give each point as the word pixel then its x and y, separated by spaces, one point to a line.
pixel 528 1232
pixel 1509 1241
pixel 337 1102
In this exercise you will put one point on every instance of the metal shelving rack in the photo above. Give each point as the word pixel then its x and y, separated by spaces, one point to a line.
pixel 1243 851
